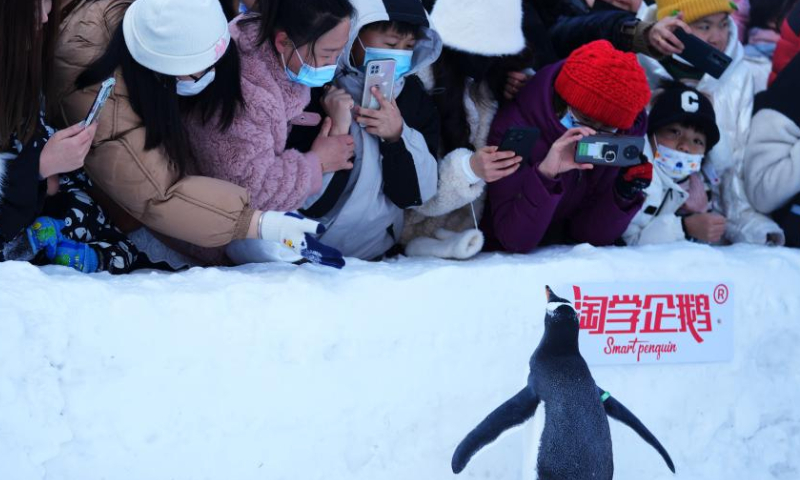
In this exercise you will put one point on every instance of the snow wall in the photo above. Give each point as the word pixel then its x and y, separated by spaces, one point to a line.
pixel 376 372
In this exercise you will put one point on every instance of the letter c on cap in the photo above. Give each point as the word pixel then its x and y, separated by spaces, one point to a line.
pixel 690 102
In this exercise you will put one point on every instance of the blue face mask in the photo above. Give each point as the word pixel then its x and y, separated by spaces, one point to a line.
pixel 402 58
pixel 568 120
pixel 310 76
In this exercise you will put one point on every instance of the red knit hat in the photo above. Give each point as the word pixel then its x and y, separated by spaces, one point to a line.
pixel 604 84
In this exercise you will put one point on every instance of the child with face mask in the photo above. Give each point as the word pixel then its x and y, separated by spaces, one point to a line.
pixel 394 163
pixel 732 97
pixel 554 200
pixel 678 205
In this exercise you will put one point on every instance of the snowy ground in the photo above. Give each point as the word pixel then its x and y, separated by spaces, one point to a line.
pixel 375 372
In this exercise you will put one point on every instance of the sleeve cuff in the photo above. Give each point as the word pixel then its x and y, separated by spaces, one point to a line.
pixel 315 167
pixel 468 172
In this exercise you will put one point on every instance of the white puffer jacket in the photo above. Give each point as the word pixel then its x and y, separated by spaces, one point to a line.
pixel 444 226
pixel 656 222
pixel 772 171
pixel 732 96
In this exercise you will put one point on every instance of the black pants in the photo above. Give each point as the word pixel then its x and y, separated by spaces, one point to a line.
pixel 86 222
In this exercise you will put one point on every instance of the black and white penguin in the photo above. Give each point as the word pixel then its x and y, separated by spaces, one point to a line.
pixel 576 441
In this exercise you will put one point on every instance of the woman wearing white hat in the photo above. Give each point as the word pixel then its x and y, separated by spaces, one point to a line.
pixel 161 52
pixel 476 34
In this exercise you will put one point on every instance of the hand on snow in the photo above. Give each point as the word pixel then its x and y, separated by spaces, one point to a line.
pixel 491 165
pixel 706 227
pixel 296 232
pixel 386 122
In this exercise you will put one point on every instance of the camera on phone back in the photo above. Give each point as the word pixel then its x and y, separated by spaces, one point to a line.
pixel 610 152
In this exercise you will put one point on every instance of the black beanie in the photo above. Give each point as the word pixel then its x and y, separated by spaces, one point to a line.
pixel 679 103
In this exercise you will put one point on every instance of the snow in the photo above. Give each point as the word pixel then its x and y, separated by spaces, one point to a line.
pixel 374 372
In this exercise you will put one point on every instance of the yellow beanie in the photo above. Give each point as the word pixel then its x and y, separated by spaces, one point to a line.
pixel 694 10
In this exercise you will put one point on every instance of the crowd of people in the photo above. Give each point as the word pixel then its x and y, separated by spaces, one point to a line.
pixel 237 133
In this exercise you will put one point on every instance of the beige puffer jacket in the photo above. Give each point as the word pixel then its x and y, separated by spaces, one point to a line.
pixel 199 210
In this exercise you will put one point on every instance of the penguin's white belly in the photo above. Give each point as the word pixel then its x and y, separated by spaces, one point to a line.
pixel 533 439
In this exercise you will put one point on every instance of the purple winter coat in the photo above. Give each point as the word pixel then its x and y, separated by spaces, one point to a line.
pixel 527 209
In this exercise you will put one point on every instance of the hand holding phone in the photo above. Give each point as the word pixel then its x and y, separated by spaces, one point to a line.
pixel 491 164
pixel 520 140
pixel 609 150
pixel 386 122
pixel 380 74
pixel 561 156
pixel 100 100
pixel 702 55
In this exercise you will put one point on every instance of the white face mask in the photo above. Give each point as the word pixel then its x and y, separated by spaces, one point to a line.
pixel 677 165
pixel 190 88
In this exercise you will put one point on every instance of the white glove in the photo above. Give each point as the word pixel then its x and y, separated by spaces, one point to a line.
pixel 297 232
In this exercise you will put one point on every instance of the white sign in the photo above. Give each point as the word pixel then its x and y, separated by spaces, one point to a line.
pixel 646 323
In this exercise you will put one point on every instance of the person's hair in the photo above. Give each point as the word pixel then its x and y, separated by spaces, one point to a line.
pixel 223 96
pixel 448 95
pixel 304 21
pixel 26 58
pixel 228 9
pixel 766 12
pixel 152 96
pixel 402 28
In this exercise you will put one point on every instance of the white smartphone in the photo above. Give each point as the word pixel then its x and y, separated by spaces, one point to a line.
pixel 380 73
pixel 105 91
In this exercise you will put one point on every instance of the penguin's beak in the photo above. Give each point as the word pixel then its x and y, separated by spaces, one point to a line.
pixel 548 293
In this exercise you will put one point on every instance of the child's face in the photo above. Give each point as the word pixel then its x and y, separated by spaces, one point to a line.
pixel 375 38
pixel 713 29
pixel 682 138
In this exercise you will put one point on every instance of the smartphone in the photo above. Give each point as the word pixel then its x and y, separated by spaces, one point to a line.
pixel 105 91
pixel 520 140
pixel 702 55
pixel 380 73
pixel 610 150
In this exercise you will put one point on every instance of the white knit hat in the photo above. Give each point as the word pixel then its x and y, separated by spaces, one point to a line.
pixel 176 37
pixel 482 27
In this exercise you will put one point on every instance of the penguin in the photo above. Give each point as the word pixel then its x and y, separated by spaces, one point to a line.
pixel 576 441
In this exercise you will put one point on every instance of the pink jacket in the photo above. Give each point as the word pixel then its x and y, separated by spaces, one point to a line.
pixel 252 152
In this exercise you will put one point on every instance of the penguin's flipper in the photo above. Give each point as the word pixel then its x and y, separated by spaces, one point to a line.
pixel 617 411
pixel 513 412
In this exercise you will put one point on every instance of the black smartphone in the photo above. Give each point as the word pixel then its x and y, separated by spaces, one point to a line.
pixel 610 150
pixel 520 140
pixel 702 55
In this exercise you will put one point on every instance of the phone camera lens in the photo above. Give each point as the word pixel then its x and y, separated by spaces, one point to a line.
pixel 631 152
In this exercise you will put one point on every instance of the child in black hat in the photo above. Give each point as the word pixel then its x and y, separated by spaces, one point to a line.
pixel 678 203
